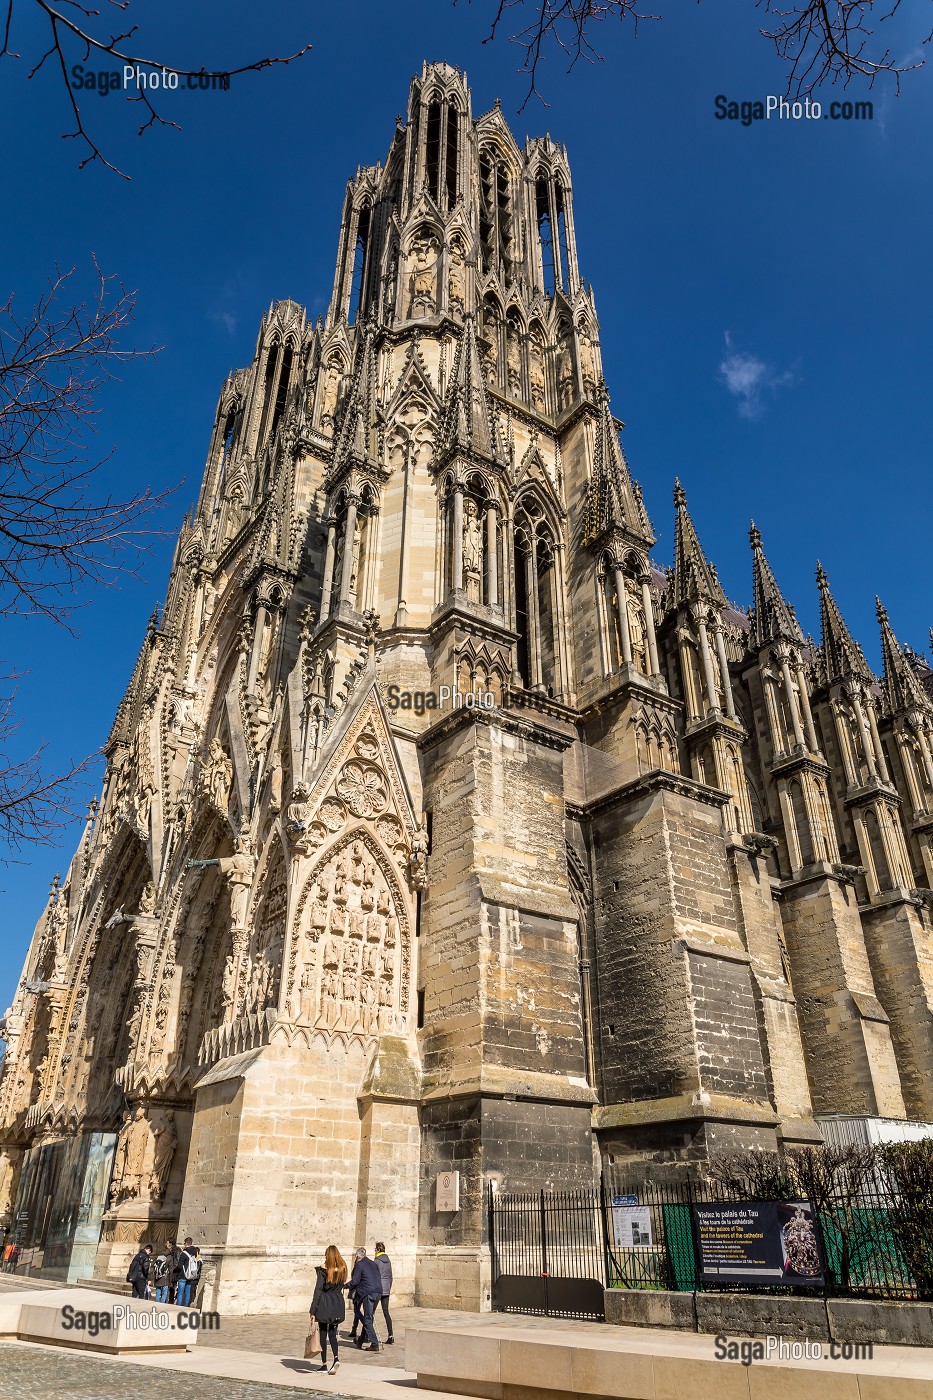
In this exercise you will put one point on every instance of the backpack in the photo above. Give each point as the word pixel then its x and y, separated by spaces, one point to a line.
pixel 162 1269
pixel 192 1267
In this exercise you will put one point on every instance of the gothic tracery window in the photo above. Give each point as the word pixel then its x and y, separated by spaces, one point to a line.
pixel 538 610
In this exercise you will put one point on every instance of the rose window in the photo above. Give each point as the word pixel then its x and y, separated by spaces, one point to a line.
pixel 363 789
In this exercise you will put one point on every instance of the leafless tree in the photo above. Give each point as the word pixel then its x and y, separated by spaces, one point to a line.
pixel 821 41
pixel 58 536
pixel 76 31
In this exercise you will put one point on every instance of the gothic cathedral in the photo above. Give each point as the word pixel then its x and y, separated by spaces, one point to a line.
pixel 443 829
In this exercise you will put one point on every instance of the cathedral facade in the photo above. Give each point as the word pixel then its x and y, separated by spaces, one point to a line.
pixel 443 830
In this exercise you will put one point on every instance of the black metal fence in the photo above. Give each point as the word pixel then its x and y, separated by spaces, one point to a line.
pixel 549 1253
pixel 555 1252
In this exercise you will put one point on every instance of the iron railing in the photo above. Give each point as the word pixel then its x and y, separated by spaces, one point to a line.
pixel 553 1252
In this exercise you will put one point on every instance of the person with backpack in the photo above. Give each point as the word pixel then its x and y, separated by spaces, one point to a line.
pixel 367 1281
pixel 191 1264
pixel 328 1309
pixel 384 1265
pixel 181 1274
pixel 138 1274
pixel 162 1272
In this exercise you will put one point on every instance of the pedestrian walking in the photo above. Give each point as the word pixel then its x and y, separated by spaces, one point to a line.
pixel 138 1273
pixel 384 1265
pixel 328 1308
pixel 367 1281
pixel 357 1315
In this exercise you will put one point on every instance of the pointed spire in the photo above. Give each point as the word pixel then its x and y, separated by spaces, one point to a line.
pixel 771 618
pixel 357 437
pixel 842 657
pixel 694 577
pixel 901 686
pixel 468 420
pixel 613 500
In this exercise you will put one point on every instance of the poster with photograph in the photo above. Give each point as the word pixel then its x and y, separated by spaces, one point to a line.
pixel 768 1242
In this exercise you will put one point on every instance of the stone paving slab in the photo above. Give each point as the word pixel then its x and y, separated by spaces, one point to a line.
pixel 49 1373
pixel 284 1334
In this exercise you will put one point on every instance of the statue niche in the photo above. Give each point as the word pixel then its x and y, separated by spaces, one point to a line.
pixel 353 944
pixel 423 279
pixel 269 940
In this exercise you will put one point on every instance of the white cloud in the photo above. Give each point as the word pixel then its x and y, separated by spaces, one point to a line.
pixel 750 380
pixel 226 319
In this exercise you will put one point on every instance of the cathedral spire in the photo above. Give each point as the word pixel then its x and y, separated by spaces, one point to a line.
pixel 900 683
pixel 357 440
pixel 842 657
pixel 613 500
pixel 469 422
pixel 694 577
pixel 772 619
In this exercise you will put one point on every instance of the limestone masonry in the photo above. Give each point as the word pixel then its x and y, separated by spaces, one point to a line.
pixel 662 890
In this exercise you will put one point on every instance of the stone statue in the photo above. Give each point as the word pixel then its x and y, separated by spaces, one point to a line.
pixel 298 812
pixel 120 1158
pixel 217 775
pixel 355 566
pixel 418 859
pixel 147 900
pixel 565 384
pixel 456 280
pixel 637 632
pixel 228 985
pixel 491 355
pixel 423 282
pixel 138 1137
pixel 239 869
pixel 275 784
pixel 536 373
pixel 390 287
pixel 514 360
pixel 472 550
pixel 307 993
pixel 165 1137
pixel 330 392
pixel 587 359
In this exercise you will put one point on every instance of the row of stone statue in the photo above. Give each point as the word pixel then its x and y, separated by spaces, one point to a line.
pixel 143 1156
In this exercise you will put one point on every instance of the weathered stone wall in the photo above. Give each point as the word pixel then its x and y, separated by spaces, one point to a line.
pixel 900 949
pixel 275 1172
pixel 847 1044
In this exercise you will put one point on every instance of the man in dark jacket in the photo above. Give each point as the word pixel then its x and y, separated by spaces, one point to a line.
pixel 366 1280
pixel 138 1274
pixel 167 1270
pixel 384 1265
pixel 182 1289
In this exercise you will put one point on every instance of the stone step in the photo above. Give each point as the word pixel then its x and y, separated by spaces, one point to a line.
pixel 512 1363
pixel 63 1317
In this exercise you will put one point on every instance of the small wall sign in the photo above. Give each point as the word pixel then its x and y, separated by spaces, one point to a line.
pixel 447 1196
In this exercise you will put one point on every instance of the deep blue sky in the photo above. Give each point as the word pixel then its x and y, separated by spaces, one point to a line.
pixel 796 253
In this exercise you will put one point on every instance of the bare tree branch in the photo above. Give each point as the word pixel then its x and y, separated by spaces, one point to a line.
pixel 564 24
pixel 821 41
pixel 35 806
pixel 56 535
pixel 72 24
pixel 825 41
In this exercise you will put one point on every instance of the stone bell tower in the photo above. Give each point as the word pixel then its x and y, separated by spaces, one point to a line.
pixel 444 830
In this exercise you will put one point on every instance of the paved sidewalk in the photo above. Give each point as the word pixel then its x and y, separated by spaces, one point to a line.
pixel 284 1334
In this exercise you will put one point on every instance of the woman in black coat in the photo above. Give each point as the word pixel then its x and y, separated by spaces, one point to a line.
pixel 328 1309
